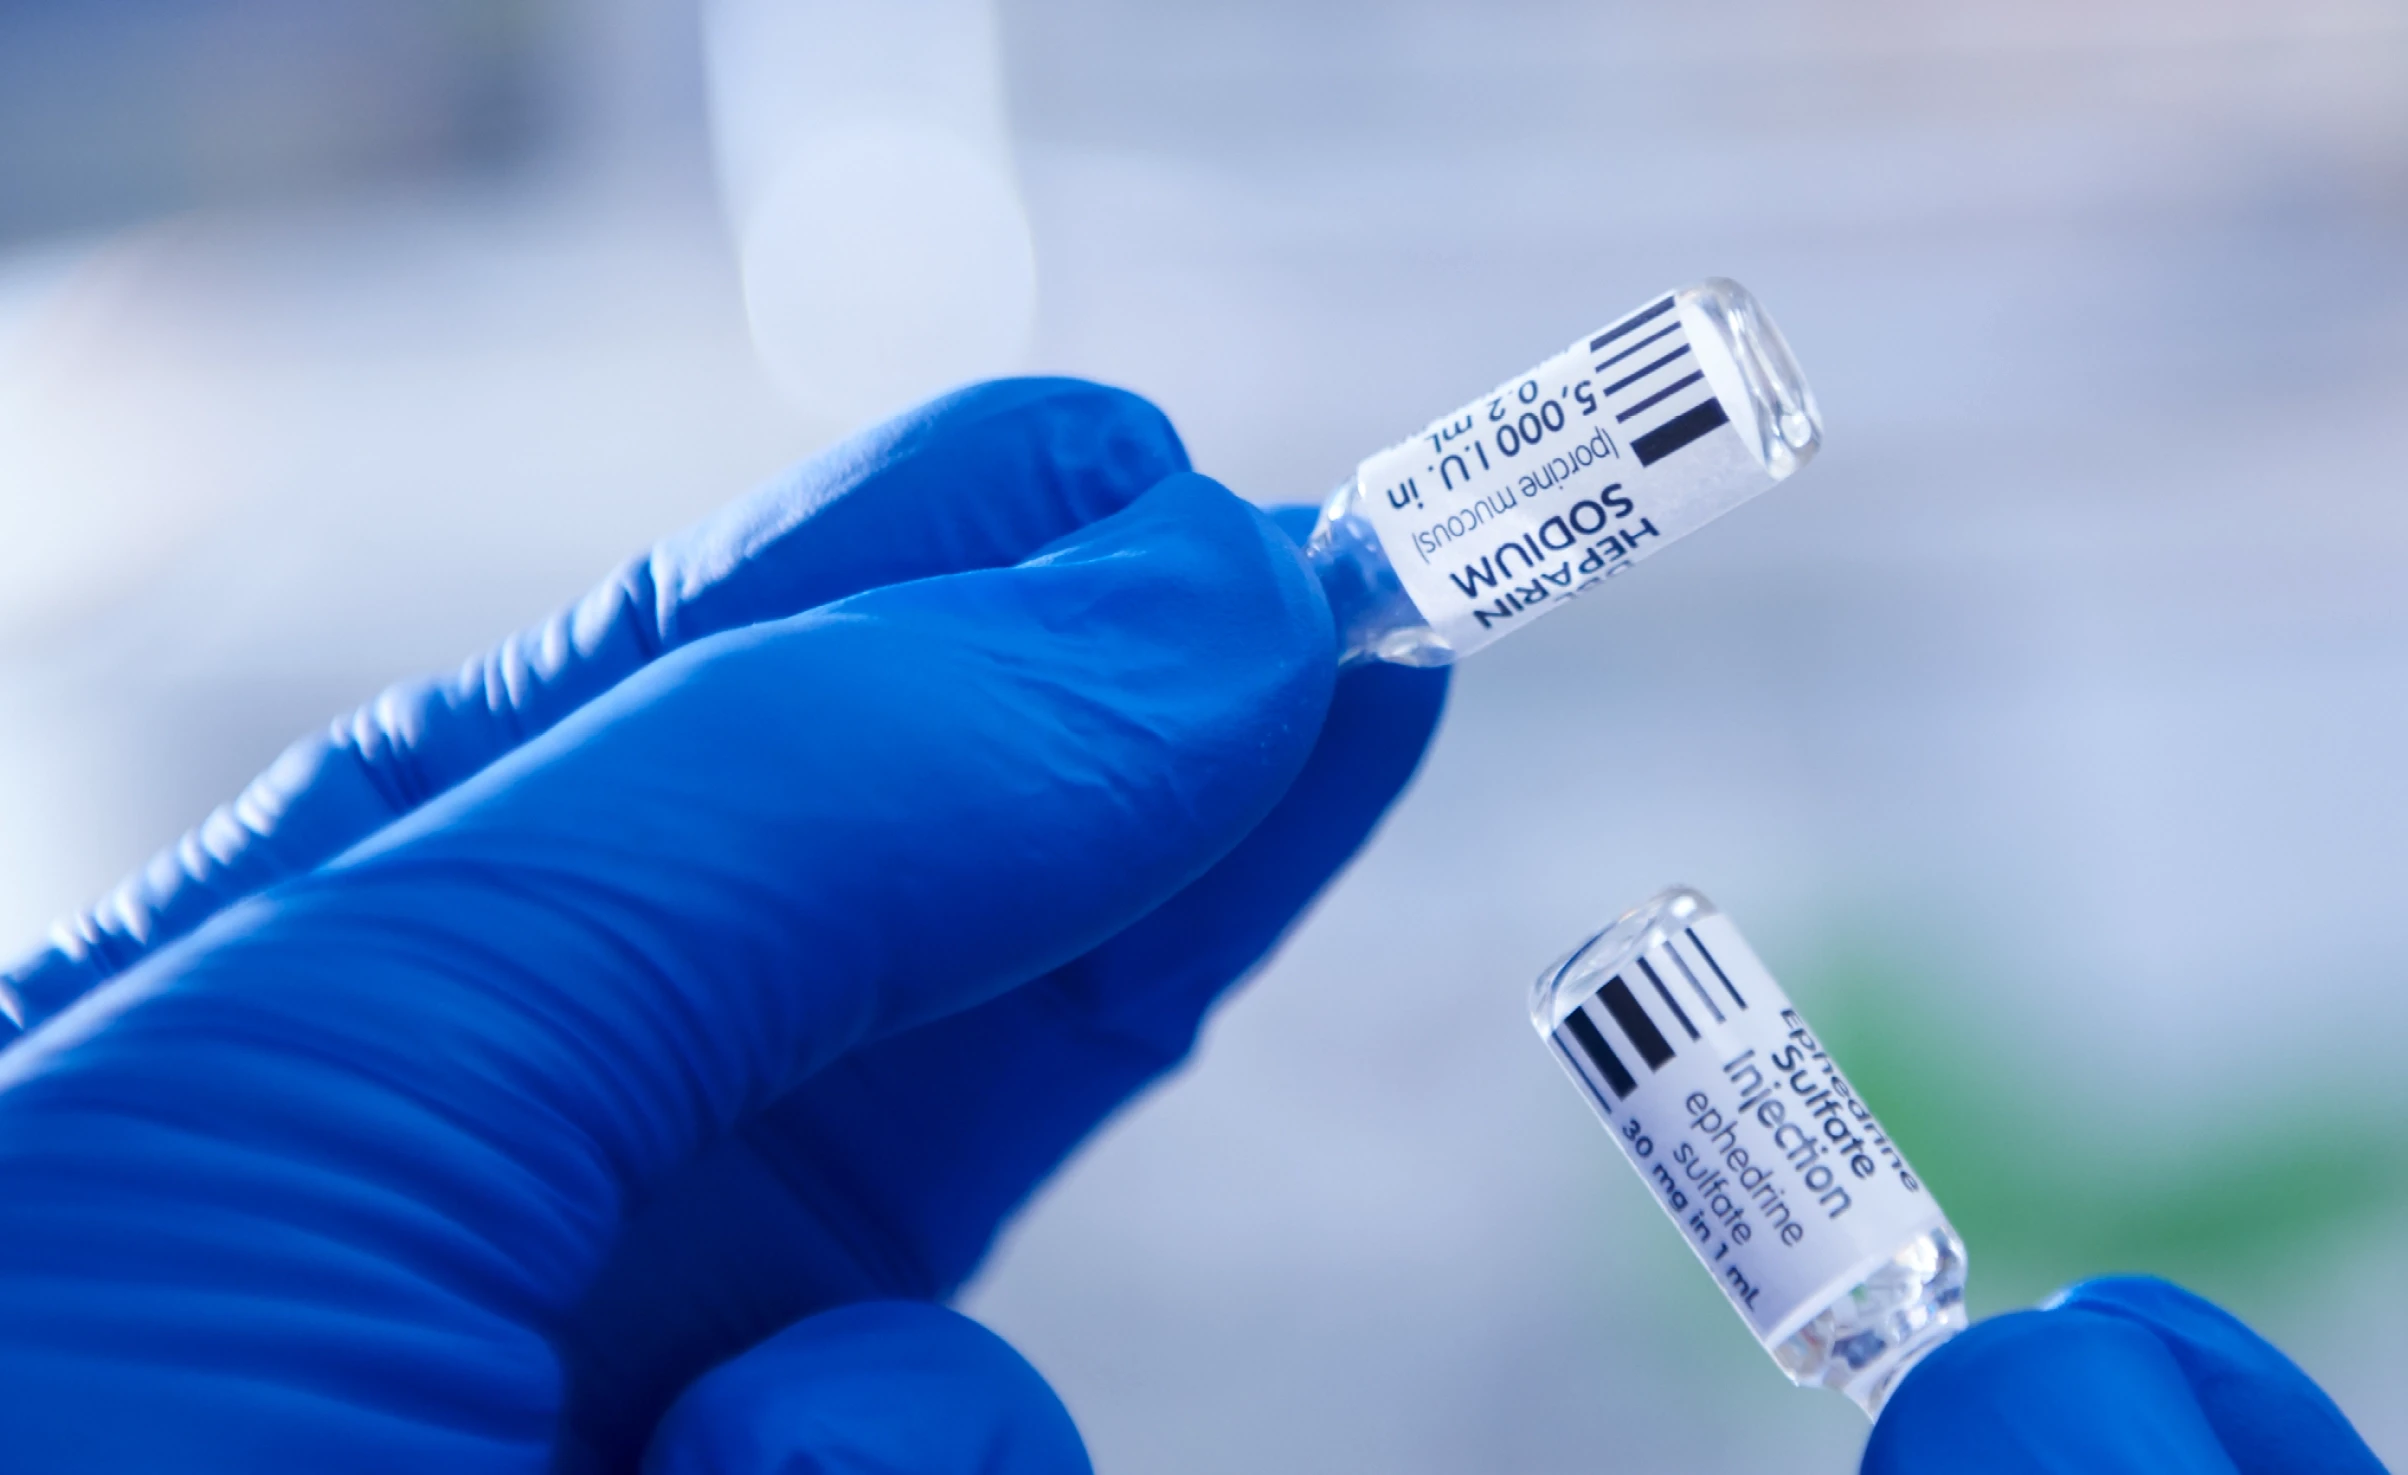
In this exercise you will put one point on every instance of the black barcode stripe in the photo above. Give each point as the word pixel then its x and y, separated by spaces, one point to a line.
pixel 1601 1055
pixel 1661 395
pixel 1635 375
pixel 1677 432
pixel 1666 995
pixel 1620 1002
pixel 1628 323
pixel 1690 973
pixel 1640 346
pixel 1700 944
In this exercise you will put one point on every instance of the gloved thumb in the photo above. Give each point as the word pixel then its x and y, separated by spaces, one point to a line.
pixel 875 1388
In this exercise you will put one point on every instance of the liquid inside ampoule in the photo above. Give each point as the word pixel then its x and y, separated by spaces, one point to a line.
pixel 1754 1143
pixel 1562 478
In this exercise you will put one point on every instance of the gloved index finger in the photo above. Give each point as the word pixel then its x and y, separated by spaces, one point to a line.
pixel 978 479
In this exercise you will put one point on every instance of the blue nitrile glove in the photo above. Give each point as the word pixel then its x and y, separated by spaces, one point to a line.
pixel 2128 1376
pixel 690 976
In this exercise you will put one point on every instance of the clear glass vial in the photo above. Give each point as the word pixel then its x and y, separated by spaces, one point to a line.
pixel 1631 438
pixel 1753 1141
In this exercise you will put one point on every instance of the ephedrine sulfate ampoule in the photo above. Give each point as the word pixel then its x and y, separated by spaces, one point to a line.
pixel 1749 1136
pixel 1635 436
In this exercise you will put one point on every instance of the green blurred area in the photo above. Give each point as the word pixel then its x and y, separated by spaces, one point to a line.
pixel 2235 1204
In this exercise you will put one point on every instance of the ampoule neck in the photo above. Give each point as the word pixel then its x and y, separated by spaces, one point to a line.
pixel 1376 619
pixel 1872 1393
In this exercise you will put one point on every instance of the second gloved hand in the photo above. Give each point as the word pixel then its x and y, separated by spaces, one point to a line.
pixel 2127 1376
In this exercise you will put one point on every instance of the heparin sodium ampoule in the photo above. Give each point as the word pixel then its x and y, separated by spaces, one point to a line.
pixel 1807 1215
pixel 1636 435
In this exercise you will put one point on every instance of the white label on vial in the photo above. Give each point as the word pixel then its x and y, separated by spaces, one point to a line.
pixel 1749 1136
pixel 1561 478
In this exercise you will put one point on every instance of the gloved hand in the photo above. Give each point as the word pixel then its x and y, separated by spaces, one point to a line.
pixel 2117 1377
pixel 670 1006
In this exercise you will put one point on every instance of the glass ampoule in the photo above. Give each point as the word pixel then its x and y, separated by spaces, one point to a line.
pixel 1561 478
pixel 1745 1130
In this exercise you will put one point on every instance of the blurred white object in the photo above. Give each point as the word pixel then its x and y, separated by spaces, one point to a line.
pixel 868 179
pixel 101 432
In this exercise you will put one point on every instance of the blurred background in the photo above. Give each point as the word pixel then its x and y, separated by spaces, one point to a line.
pixel 2047 736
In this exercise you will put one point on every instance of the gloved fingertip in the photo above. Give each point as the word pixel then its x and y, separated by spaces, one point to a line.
pixel 1224 562
pixel 974 479
pixel 2267 1412
pixel 875 1388
pixel 2038 1392
pixel 1082 422
pixel 1088 447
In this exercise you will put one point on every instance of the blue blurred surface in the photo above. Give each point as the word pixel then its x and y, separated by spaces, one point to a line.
pixel 2047 735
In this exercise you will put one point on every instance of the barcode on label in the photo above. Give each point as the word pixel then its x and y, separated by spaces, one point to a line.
pixel 1732 1113
pixel 1653 378
pixel 1649 1011
pixel 1565 476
